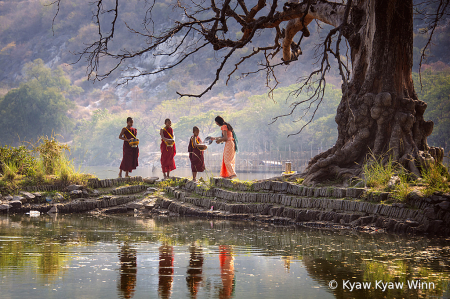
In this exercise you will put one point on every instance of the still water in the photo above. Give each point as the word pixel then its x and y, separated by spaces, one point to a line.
pixel 107 172
pixel 81 256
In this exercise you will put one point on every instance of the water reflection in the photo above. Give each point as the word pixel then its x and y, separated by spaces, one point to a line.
pixel 128 271
pixel 77 254
pixel 287 263
pixel 166 257
pixel 226 271
pixel 195 269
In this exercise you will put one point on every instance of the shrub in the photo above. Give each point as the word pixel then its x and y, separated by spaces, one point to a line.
pixel 21 157
pixel 10 171
pixel 51 153
pixel 45 162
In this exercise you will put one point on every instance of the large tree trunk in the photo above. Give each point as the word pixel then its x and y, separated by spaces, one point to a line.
pixel 379 111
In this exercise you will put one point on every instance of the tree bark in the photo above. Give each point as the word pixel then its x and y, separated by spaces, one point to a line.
pixel 379 111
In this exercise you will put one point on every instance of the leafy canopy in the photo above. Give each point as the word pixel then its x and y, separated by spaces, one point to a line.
pixel 38 106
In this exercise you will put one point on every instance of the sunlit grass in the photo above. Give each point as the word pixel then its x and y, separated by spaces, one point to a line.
pixel 402 190
pixel 376 173
pixel 248 184
pixel 436 178
pixel 172 182
pixel 299 181
pixel 10 170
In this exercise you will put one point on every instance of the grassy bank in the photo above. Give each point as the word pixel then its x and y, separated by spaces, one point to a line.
pixel 384 174
pixel 45 162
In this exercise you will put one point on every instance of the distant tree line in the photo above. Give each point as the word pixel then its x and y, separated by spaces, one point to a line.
pixel 41 105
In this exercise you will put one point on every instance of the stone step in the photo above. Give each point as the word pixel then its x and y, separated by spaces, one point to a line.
pixel 322 204
pixel 44 188
pixel 285 215
pixel 289 188
pixel 96 183
pixel 78 206
pixel 129 189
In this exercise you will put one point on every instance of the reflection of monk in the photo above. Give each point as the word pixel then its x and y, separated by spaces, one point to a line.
pixel 194 272
pixel 128 270
pixel 165 271
pixel 287 263
pixel 226 272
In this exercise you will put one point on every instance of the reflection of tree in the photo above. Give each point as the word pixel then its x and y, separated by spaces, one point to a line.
pixel 226 271
pixel 324 270
pixel 128 271
pixel 166 270
pixel 395 271
pixel 41 244
pixel 195 269
pixel 47 258
pixel 50 260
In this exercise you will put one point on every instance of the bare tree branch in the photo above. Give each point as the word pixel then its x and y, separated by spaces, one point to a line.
pixel 213 22
pixel 443 7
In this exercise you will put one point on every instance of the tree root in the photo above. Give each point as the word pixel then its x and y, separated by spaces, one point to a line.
pixel 379 125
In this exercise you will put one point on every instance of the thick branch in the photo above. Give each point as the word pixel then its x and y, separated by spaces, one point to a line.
pixel 329 13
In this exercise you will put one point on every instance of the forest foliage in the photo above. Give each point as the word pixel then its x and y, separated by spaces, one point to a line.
pixel 38 106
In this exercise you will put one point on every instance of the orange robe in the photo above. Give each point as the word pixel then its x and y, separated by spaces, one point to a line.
pixel 226 272
pixel 229 155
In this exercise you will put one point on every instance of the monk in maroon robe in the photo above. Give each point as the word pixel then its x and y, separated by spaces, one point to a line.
pixel 166 271
pixel 196 155
pixel 168 149
pixel 130 154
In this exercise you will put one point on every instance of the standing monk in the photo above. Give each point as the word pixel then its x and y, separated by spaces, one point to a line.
pixel 229 151
pixel 130 154
pixel 196 155
pixel 168 149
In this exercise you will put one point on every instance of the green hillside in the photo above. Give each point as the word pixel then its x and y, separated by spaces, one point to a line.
pixel 42 91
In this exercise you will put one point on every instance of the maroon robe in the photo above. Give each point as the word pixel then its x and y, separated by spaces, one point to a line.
pixel 166 271
pixel 130 154
pixel 168 152
pixel 196 156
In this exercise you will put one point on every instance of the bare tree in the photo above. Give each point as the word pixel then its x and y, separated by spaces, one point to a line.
pixel 379 111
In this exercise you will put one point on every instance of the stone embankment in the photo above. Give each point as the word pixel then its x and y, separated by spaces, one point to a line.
pixel 283 202
pixel 78 198
pixel 267 201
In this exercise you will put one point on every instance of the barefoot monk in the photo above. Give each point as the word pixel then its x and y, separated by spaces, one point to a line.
pixel 168 149
pixel 130 152
pixel 195 154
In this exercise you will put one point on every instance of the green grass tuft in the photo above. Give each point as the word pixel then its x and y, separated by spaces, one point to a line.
pixel 376 173
pixel 436 178
pixel 10 171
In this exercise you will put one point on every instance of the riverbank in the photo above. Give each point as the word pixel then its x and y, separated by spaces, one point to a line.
pixel 271 201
